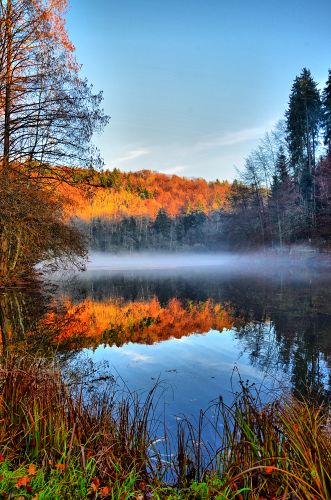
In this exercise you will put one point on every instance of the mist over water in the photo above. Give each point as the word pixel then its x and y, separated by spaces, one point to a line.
pixel 293 263
pixel 276 311
pixel 190 319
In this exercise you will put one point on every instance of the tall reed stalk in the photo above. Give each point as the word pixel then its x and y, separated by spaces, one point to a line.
pixel 279 450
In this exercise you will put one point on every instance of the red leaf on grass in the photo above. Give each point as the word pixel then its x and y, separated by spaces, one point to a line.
pixel 60 467
pixel 104 491
pixel 95 484
pixel 23 481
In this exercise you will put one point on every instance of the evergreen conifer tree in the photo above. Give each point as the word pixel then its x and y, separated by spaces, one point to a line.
pixel 304 117
pixel 326 102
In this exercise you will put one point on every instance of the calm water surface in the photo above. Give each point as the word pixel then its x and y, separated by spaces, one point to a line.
pixel 192 324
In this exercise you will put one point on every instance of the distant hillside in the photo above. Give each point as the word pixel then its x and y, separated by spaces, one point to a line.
pixel 116 195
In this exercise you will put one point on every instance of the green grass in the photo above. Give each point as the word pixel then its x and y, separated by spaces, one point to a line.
pixel 56 443
pixel 45 483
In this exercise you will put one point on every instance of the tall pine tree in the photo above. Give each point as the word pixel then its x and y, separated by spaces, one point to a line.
pixel 303 120
pixel 326 102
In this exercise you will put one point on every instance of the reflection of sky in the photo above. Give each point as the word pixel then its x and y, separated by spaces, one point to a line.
pixel 197 369
pixel 271 298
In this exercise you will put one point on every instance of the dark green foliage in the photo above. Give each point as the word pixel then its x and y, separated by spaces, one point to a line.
pixel 145 194
pixel 162 223
pixel 194 230
pixel 304 117
pixel 326 102
pixel 303 121
pixel 282 174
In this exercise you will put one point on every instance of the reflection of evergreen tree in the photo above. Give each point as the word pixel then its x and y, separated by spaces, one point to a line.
pixel 281 328
pixel 282 325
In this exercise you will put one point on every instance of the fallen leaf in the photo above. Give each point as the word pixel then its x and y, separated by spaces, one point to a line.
pixel 32 470
pixel 23 481
pixel 60 467
pixel 104 491
pixel 95 484
pixel 2 458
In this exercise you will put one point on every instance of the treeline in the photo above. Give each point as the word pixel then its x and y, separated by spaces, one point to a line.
pixel 282 196
pixel 194 230
pixel 114 194
pixel 284 192
pixel 147 210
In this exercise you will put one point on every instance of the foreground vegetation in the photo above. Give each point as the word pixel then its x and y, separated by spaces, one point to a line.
pixel 60 440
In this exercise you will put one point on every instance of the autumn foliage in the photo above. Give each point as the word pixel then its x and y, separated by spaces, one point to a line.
pixel 115 321
pixel 115 194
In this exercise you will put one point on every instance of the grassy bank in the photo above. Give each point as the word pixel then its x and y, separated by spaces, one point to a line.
pixel 58 441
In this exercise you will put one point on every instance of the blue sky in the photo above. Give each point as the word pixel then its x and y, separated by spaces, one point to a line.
pixel 191 85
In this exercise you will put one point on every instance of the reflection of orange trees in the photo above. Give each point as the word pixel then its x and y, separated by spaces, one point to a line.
pixel 117 322
pixel 142 194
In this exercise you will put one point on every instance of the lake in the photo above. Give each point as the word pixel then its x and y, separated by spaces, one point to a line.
pixel 196 324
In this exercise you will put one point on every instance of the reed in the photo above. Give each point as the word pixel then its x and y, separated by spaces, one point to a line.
pixel 59 441
pixel 277 450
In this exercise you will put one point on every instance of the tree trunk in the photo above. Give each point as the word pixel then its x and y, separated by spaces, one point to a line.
pixel 9 54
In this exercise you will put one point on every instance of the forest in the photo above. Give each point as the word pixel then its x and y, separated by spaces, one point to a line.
pixel 282 196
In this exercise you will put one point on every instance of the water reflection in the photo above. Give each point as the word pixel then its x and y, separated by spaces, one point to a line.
pixel 274 326
pixel 20 313
pixel 281 322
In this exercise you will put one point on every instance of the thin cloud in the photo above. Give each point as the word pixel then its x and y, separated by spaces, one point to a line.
pixel 136 356
pixel 131 155
pixel 173 170
pixel 236 137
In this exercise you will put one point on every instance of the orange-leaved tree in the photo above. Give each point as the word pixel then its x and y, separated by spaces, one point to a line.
pixel 48 113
